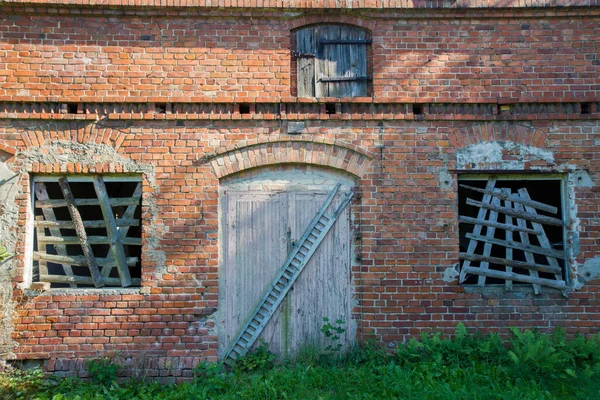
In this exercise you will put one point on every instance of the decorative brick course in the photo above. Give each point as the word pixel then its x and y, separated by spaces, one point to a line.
pixel 320 4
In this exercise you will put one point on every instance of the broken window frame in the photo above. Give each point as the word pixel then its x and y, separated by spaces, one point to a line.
pixel 531 228
pixel 62 246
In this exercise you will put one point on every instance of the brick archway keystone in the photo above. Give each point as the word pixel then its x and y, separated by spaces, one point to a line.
pixel 332 154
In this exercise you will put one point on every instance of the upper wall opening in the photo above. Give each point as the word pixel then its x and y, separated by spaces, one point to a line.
pixel 331 61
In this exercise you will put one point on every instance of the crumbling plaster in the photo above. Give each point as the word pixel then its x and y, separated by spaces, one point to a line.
pixel 9 189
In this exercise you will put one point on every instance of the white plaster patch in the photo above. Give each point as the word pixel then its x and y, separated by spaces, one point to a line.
pixel 581 179
pixel 490 154
pixel 445 178
pixel 590 269
pixel 300 179
pixel 451 274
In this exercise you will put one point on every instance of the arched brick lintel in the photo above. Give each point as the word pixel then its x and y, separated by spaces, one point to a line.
pixel 73 131
pixel 330 18
pixel 331 155
pixel 497 132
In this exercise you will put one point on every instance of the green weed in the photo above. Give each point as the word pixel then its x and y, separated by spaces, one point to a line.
pixel 529 366
pixel 103 371
pixel 258 359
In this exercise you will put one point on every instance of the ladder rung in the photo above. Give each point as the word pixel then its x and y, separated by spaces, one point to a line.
pixel 241 348
pixel 272 299
pixel 264 311
pixel 243 340
pixel 305 246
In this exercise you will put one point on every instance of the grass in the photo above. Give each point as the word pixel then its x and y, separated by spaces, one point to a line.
pixel 530 366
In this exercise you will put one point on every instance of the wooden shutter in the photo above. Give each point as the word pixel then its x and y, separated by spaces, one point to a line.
pixel 332 61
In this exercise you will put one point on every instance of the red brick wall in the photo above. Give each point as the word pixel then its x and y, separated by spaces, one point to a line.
pixel 246 57
pixel 407 218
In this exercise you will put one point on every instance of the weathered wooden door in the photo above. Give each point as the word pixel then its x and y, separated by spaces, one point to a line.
pixel 258 229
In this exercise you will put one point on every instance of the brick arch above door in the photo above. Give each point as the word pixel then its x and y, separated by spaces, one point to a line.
pixel 334 154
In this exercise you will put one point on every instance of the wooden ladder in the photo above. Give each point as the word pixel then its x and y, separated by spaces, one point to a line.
pixel 279 287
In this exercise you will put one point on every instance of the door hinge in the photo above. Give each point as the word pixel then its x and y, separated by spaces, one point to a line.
pixel 297 54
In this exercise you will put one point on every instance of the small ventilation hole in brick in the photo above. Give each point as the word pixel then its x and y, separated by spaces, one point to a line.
pixel 417 109
pixel 586 108
pixel 244 108
pixel 330 108
pixel 68 108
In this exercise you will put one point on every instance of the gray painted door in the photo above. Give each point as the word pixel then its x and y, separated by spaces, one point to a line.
pixel 258 229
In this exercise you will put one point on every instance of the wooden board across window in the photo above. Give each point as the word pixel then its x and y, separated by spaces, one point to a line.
pixel 58 245
pixel 521 219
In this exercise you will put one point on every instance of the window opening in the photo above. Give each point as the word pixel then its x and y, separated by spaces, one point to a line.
pixel 512 231
pixel 332 61
pixel 87 231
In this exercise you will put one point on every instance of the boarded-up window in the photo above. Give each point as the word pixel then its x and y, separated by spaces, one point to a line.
pixel 87 230
pixel 512 230
pixel 332 61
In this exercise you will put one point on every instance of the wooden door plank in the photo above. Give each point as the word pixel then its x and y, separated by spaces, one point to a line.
pixel 80 230
pixel 305 65
pixel 477 228
pixel 112 232
pixel 322 62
